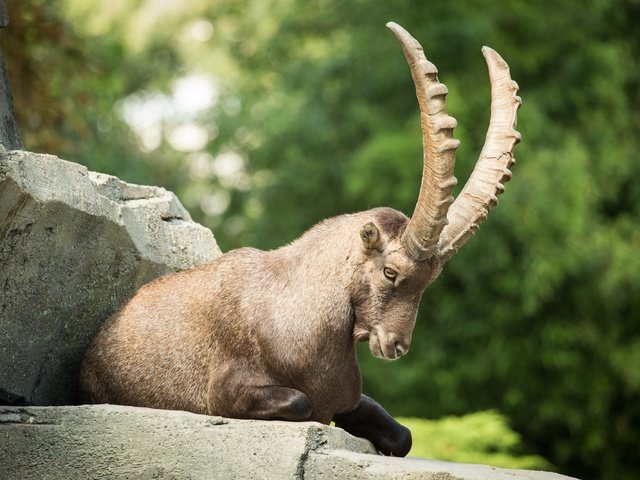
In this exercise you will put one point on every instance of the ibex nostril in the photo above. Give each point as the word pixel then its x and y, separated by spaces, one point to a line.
pixel 400 350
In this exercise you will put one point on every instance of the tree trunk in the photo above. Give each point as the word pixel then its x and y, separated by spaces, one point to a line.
pixel 9 134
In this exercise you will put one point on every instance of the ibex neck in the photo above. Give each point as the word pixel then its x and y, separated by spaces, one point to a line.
pixel 324 254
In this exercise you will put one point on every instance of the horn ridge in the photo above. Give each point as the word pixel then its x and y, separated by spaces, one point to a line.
pixel 429 218
pixel 492 169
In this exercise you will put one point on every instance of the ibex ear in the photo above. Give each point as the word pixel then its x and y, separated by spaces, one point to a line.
pixel 370 236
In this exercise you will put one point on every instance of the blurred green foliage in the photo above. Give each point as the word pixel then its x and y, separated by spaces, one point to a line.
pixel 314 115
pixel 481 437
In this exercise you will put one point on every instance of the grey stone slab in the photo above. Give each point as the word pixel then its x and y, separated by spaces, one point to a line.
pixel 108 441
pixel 74 246
pixel 338 464
pixel 113 442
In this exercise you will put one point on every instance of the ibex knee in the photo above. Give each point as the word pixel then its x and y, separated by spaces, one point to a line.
pixel 273 403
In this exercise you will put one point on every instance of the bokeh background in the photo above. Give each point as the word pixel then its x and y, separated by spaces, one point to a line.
pixel 266 116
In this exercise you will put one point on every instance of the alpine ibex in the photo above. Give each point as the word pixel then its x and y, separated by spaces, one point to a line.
pixel 271 335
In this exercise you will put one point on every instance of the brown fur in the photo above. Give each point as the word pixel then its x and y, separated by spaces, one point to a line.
pixel 235 337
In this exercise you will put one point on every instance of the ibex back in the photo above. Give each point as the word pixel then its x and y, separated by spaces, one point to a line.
pixel 271 335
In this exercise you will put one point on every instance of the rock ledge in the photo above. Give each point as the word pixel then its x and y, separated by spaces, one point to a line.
pixel 109 441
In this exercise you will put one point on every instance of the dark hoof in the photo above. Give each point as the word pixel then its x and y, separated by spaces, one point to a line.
pixel 396 445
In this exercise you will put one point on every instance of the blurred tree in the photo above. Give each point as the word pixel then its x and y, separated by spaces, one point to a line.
pixel 9 135
pixel 313 114
pixel 68 88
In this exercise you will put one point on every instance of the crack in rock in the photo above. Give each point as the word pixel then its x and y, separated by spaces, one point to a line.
pixel 316 440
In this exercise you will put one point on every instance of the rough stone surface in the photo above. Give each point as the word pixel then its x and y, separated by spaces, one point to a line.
pixel 340 464
pixel 74 246
pixel 61 443
pixel 108 441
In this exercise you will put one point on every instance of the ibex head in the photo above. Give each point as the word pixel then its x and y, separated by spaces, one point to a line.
pixel 400 257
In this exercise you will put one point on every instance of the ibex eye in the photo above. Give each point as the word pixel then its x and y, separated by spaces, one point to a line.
pixel 390 274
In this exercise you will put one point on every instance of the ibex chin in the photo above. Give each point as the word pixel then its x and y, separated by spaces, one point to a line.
pixel 271 335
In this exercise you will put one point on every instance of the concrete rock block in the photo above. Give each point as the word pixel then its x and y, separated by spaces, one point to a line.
pixel 74 246
pixel 108 442
pixel 340 464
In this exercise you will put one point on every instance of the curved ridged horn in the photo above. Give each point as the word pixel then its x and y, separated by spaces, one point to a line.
pixel 480 192
pixel 420 239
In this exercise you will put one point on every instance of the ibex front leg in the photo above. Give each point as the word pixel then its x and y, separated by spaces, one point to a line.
pixel 369 420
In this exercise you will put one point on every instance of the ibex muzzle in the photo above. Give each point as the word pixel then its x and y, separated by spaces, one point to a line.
pixel 271 335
